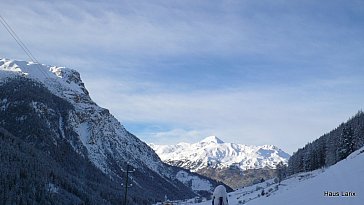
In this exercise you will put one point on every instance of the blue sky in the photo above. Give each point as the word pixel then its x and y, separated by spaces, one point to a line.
pixel 254 72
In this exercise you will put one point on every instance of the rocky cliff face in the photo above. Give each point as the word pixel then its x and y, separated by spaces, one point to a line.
pixel 49 106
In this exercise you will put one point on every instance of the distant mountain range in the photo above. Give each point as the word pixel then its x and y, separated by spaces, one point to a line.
pixel 214 158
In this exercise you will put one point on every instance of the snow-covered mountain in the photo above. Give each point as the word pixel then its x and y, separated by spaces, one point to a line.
pixel 236 165
pixel 213 152
pixel 97 130
pixel 339 184
pixel 52 102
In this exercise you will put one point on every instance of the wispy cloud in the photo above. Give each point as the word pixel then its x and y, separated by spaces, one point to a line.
pixel 288 117
pixel 260 72
pixel 142 28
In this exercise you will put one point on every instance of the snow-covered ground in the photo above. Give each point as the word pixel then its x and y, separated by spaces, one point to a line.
pixel 308 188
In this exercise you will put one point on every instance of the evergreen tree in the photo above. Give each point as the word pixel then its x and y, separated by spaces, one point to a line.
pixel 281 171
pixel 346 145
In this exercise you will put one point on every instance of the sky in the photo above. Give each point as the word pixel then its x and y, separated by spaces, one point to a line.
pixel 280 72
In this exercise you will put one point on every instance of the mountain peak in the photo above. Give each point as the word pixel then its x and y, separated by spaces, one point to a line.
pixel 213 139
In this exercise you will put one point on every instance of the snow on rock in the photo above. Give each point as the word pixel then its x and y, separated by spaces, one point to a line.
pixel 52 188
pixel 212 151
pixel 99 131
pixel 212 139
pixel 198 184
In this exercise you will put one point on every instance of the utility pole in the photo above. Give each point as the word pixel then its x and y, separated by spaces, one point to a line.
pixel 126 182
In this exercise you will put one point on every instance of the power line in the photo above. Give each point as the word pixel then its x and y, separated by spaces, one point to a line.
pixel 3 22
pixel 22 45
pixel 126 182
pixel 21 42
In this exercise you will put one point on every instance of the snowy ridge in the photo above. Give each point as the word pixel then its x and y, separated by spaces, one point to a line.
pixel 96 127
pixel 213 152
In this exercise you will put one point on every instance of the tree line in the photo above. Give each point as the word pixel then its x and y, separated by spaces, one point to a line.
pixel 328 149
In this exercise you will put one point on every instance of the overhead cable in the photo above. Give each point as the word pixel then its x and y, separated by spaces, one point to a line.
pixel 22 45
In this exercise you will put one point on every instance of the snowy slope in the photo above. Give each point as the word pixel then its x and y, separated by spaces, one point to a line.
pixel 213 152
pixel 309 188
pixel 197 183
